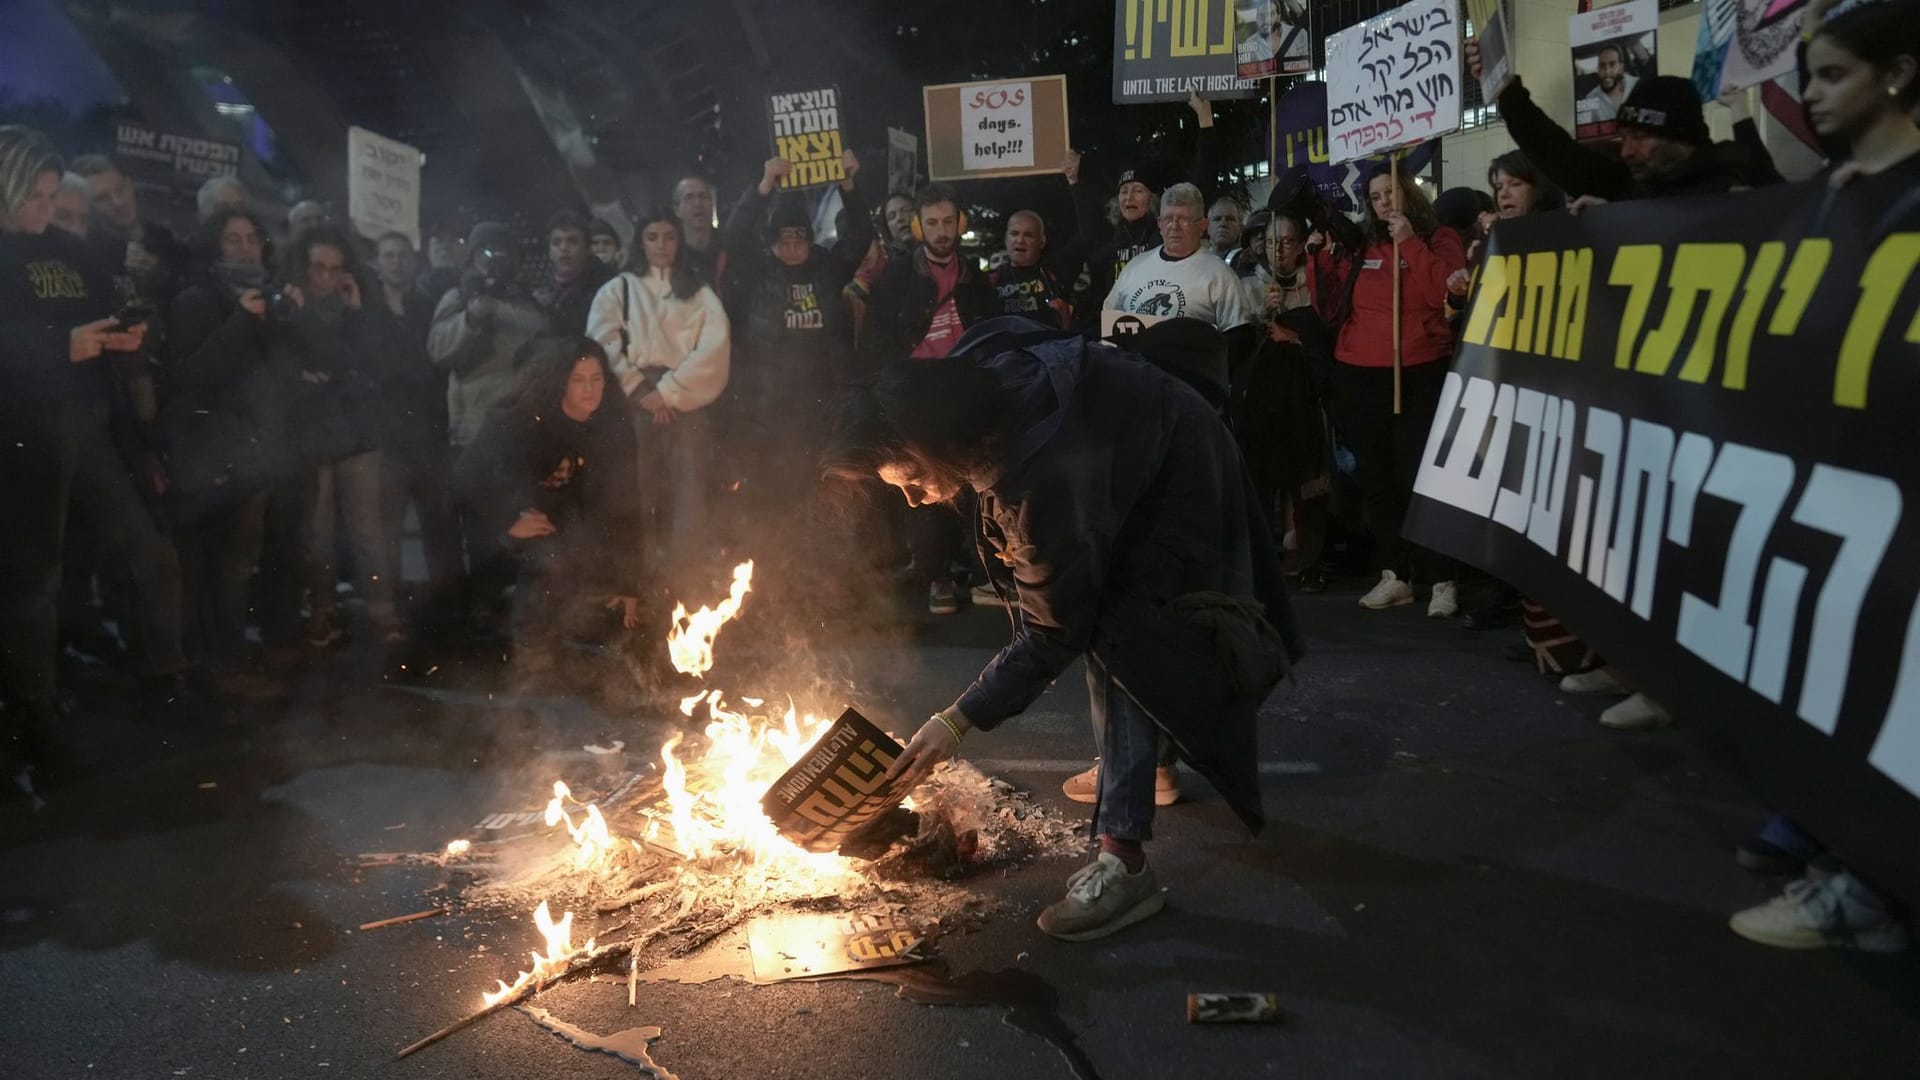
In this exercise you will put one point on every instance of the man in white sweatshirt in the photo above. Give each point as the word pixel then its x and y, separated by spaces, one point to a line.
pixel 1182 277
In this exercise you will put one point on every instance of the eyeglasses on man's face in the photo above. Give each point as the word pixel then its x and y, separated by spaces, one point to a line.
pixel 1176 221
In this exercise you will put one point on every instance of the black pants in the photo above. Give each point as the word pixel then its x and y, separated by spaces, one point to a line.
pixel 218 552
pixel 1387 449
pixel 50 467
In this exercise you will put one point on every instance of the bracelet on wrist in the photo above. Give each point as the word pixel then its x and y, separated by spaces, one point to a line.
pixel 958 734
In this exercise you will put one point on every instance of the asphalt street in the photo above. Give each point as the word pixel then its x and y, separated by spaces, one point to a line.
pixel 1463 876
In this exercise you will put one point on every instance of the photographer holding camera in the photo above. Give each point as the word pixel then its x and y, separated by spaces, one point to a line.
pixel 477 329
pixel 220 424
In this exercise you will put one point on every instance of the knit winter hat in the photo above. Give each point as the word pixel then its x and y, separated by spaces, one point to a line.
pixel 1137 176
pixel 1666 105
pixel 789 213
pixel 490 236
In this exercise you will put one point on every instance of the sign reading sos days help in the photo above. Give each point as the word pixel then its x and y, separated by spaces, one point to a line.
pixel 999 128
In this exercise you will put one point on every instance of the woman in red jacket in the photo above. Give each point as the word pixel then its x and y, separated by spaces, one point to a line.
pixel 1388 446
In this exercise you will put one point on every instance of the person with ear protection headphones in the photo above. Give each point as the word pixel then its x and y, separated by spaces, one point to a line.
pixel 920 307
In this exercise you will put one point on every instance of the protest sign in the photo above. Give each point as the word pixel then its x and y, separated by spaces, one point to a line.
pixel 1000 128
pixel 383 185
pixel 1613 49
pixel 1272 37
pixel 1744 43
pixel 169 161
pixel 1300 146
pixel 1394 80
pixel 838 788
pixel 1493 30
pixel 1164 50
pixel 807 131
pixel 1685 428
pixel 903 160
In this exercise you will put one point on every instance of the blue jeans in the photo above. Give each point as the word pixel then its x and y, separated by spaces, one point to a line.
pixel 1129 745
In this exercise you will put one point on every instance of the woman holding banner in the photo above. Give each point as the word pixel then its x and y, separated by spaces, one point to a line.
pixel 1384 404
pixel 1861 69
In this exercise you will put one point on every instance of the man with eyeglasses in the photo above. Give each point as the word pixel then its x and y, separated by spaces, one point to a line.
pixel 1182 278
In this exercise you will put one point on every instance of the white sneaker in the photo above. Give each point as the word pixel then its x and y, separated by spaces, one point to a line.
pixel 1637 713
pixel 981 595
pixel 1599 683
pixel 1818 911
pixel 1445 602
pixel 1391 592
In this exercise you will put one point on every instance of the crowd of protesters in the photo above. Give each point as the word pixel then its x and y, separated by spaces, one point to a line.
pixel 212 440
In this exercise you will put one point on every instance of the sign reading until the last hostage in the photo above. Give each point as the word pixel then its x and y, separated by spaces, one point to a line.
pixel 807 131
pixel 1164 50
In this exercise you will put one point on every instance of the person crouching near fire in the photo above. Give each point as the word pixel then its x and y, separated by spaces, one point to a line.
pixel 555 477
pixel 1127 534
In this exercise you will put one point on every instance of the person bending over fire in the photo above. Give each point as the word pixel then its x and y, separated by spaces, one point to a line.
pixel 1126 532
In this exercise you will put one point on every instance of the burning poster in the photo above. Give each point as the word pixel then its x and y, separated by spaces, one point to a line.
pixel 1612 49
pixel 795 946
pixel 838 787
pixel 807 132
pixel 1272 37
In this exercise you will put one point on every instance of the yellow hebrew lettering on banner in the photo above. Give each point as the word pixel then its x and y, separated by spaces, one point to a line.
pixel 1713 269
pixel 1881 284
pixel 1576 286
pixel 1636 266
pixel 1760 279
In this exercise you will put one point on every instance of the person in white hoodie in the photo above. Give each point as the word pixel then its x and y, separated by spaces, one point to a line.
pixel 668 339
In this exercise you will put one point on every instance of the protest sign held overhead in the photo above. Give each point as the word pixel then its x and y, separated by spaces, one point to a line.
pixel 1684 427
pixel 1744 43
pixel 1394 80
pixel 1272 37
pixel 1300 146
pixel 1000 128
pixel 1613 49
pixel 807 131
pixel 903 159
pixel 168 161
pixel 1493 30
pixel 383 185
pixel 1164 50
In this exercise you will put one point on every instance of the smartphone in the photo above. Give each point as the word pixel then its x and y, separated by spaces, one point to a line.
pixel 132 314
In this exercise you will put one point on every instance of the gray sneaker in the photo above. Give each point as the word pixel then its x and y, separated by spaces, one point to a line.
pixel 1822 910
pixel 1101 899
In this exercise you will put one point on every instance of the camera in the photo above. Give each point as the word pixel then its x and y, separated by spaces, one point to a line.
pixel 280 305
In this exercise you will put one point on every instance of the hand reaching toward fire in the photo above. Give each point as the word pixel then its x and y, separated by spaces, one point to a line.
pixel 629 608
pixel 937 740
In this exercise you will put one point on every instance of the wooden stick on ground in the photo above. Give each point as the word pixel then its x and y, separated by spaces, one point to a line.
pixel 579 965
pixel 398 919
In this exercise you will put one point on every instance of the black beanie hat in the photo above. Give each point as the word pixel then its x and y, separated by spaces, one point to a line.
pixel 1666 105
pixel 1137 176
pixel 789 213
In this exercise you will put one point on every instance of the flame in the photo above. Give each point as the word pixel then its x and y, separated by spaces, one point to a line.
pixel 560 953
pixel 690 642
pixel 713 797
pixel 457 848
pixel 593 844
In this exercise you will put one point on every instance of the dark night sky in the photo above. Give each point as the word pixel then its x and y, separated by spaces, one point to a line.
pixel 42 56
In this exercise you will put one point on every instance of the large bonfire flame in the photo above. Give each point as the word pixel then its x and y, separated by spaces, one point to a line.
pixel 713 795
